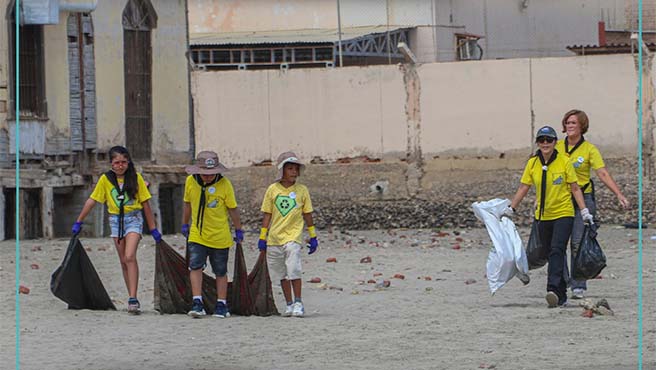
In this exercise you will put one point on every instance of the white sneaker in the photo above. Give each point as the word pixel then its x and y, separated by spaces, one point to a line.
pixel 552 299
pixel 289 310
pixel 298 310
pixel 578 293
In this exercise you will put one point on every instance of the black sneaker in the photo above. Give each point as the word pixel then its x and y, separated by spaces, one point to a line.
pixel 197 309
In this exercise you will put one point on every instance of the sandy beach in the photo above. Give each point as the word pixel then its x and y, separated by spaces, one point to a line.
pixel 439 316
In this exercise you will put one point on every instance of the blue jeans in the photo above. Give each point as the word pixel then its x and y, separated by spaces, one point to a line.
pixel 132 223
pixel 556 233
pixel 575 241
pixel 198 254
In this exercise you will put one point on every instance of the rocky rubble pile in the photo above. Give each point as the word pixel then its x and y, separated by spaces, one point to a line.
pixel 447 204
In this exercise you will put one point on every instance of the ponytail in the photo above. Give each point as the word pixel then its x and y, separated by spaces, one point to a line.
pixel 131 186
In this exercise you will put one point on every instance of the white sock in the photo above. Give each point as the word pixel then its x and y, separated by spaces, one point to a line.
pixel 198 297
pixel 222 301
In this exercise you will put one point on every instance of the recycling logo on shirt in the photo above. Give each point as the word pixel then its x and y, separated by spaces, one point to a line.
pixel 285 204
pixel 117 201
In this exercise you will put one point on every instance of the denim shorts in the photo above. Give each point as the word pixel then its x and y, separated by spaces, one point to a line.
pixel 132 223
pixel 198 254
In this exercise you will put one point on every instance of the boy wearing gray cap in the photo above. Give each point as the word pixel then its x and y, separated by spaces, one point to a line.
pixel 287 207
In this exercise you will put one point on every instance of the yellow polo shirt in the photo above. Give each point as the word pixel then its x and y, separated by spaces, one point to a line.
pixel 583 159
pixel 558 199
pixel 218 198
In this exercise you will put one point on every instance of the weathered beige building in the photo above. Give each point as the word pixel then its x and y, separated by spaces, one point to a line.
pixel 93 74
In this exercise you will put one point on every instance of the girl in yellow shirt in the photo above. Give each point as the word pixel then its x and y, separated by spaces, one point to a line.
pixel 124 192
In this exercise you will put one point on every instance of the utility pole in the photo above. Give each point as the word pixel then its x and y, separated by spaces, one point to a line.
pixel 339 34
pixel 389 41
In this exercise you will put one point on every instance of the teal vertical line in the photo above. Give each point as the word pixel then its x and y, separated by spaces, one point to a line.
pixel 17 202
pixel 640 77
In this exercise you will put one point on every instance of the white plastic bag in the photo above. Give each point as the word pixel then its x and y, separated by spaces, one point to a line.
pixel 508 257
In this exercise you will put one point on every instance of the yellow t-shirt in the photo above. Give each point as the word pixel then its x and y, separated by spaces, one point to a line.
pixel 105 192
pixel 219 197
pixel 286 206
pixel 584 158
pixel 558 200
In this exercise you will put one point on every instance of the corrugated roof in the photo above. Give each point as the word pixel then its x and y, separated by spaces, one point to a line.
pixel 611 48
pixel 311 36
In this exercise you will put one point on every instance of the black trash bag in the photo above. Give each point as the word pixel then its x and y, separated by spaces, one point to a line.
pixel 172 285
pixel 260 283
pixel 240 297
pixel 536 254
pixel 590 259
pixel 77 283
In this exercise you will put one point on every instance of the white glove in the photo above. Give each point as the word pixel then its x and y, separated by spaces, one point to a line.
pixel 508 212
pixel 586 216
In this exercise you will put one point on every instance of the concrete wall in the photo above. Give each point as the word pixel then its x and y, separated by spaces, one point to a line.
pixel 251 117
pixel 538 28
pixel 465 110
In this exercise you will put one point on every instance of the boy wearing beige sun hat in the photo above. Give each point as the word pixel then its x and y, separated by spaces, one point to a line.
pixel 287 207
pixel 208 201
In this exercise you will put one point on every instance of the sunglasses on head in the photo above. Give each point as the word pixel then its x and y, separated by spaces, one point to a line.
pixel 542 139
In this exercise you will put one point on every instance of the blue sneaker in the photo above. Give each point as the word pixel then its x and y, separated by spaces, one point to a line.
pixel 133 306
pixel 221 310
pixel 197 309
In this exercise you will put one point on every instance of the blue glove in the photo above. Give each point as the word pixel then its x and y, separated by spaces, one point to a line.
pixel 239 235
pixel 262 245
pixel 314 244
pixel 185 230
pixel 77 227
pixel 156 235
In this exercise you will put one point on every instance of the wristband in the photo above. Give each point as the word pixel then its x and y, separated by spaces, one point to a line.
pixel 263 233
pixel 312 232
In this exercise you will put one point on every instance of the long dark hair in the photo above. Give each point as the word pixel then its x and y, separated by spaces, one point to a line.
pixel 130 184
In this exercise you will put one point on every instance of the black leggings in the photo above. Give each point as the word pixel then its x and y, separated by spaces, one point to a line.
pixel 555 234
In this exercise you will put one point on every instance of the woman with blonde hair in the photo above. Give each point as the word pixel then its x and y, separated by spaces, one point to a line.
pixel 584 157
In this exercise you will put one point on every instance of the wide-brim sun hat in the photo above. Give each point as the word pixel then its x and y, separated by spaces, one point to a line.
pixel 287 157
pixel 206 163
pixel 546 131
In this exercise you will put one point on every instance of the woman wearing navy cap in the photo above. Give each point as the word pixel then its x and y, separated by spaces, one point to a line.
pixel 555 182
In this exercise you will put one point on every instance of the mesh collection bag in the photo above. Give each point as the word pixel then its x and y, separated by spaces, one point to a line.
pixel 172 286
pixel 247 294
pixel 240 297
pixel 260 284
